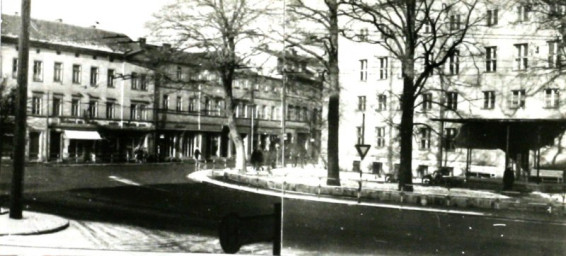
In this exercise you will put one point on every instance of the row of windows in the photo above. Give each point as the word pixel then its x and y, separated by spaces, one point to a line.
pixel 138 111
pixel 424 139
pixel 521 61
pixel 517 100
pixel 139 82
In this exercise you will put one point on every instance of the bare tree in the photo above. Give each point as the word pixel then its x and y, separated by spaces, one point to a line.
pixel 422 35
pixel 228 31
pixel 315 32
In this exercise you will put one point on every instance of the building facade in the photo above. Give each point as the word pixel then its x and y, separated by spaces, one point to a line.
pixel 96 95
pixel 507 73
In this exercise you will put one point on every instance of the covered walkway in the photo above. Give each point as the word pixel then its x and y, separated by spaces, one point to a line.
pixel 516 137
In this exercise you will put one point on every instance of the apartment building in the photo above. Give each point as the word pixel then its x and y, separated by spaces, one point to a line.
pixel 500 92
pixel 83 105
pixel 98 96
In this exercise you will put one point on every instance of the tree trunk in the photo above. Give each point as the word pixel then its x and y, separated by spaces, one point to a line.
pixel 408 100
pixel 333 178
pixel 238 142
pixel 406 130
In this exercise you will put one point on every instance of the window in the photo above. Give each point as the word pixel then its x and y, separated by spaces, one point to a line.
pixel 491 59
pixel 110 108
pixel 193 104
pixel 143 82
pixel 138 111
pixel 15 67
pixel 58 72
pixel 110 78
pixel 455 22
pixel 363 70
pixel 363 36
pixel 383 68
pixel 427 101
pixel 179 73
pixel 76 74
pixel 554 54
pixel 93 76
pixel 362 103
pixel 37 71
pixel 93 109
pixel 273 113
pixel 556 10
pixel 57 106
pixel 449 136
pixel 166 102
pixel 290 112
pixel 134 78
pixel 75 107
pixel 454 63
pixel 179 106
pixel 521 59
pixel 489 99
pixel 134 111
pixel 305 114
pixel 451 100
pixel 142 111
pixel 523 12
pixel 360 133
pixel 492 17
pixel 424 141
pixel 381 102
pixel 36 105
pixel 260 111
pixel 551 98
pixel 518 98
pixel 380 137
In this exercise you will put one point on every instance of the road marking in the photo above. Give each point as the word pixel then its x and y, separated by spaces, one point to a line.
pixel 124 180
pixel 500 225
pixel 202 176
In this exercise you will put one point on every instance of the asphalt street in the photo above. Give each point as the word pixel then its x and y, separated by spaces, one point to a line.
pixel 156 208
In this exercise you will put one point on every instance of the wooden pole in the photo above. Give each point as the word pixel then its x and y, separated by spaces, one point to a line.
pixel 16 203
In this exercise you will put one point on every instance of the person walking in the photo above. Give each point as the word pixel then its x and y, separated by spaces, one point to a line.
pixel 508 179
pixel 196 155
pixel 256 159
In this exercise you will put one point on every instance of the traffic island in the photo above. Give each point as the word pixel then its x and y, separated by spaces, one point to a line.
pixel 423 196
pixel 32 223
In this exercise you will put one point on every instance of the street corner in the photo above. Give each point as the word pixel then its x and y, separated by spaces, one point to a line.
pixel 32 223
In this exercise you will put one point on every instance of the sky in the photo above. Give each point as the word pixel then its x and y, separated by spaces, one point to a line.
pixel 123 16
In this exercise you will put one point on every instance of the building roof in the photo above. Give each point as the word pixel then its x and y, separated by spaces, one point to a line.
pixel 56 32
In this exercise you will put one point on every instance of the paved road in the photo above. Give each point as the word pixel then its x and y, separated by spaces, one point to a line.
pixel 158 209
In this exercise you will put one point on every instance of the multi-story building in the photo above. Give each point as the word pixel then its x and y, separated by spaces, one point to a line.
pixel 96 95
pixel 500 93
pixel 83 104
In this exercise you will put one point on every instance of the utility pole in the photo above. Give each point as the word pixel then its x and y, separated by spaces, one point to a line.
pixel 16 204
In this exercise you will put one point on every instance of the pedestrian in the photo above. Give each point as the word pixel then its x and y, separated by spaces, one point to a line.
pixel 256 159
pixel 508 179
pixel 196 155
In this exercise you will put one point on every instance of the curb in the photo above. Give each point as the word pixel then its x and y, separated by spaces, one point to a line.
pixel 32 223
pixel 495 206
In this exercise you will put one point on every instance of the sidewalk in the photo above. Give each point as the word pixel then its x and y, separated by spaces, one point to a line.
pixel 32 223
pixel 370 188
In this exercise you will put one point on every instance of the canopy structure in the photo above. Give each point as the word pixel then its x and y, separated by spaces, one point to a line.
pixel 514 136
pixel 82 135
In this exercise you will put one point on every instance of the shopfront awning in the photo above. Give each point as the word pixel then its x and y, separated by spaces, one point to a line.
pixel 82 135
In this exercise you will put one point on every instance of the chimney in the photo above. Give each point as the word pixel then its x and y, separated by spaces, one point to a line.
pixel 59 20
pixel 141 40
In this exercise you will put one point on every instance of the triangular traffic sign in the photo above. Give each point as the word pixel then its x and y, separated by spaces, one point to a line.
pixel 362 149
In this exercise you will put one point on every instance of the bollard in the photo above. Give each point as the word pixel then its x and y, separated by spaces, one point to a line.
pixel 236 231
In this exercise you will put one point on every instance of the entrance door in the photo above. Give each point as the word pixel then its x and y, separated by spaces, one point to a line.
pixel 34 145
pixel 55 146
